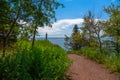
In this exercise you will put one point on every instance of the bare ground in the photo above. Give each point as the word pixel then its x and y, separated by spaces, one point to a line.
pixel 85 69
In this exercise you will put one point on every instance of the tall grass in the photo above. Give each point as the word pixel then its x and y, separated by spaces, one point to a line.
pixel 112 62
pixel 93 54
pixel 44 62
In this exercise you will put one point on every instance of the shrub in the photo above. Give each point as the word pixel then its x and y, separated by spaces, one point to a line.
pixel 113 63
pixel 93 54
pixel 44 62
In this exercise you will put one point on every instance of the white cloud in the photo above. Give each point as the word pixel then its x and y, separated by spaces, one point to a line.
pixel 60 28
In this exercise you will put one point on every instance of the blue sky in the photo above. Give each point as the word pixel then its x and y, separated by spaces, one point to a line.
pixel 78 8
pixel 73 13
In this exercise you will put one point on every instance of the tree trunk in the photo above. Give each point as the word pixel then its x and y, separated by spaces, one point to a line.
pixel 33 41
pixel 8 33
pixel 100 44
pixel 4 46
pixel 117 48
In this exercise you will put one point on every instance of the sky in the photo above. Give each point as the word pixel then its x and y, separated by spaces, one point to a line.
pixel 72 14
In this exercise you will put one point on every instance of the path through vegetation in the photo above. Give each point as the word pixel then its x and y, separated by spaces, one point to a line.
pixel 85 69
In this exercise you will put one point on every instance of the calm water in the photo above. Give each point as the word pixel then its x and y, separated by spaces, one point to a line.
pixel 61 41
pixel 58 41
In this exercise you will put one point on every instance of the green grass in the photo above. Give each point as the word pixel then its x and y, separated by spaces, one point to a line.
pixel 111 62
pixel 44 62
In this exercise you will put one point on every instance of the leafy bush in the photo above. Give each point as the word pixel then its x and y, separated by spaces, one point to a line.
pixel 44 62
pixel 93 54
pixel 113 63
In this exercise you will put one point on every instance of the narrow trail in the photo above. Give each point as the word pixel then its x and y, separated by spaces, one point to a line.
pixel 85 69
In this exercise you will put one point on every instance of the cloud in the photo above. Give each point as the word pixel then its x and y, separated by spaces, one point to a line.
pixel 60 28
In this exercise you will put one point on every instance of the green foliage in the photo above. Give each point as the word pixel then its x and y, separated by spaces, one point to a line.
pixel 43 62
pixel 37 13
pixel 88 27
pixel 113 25
pixel 93 54
pixel 75 29
pixel 113 63
pixel 74 41
pixel 92 31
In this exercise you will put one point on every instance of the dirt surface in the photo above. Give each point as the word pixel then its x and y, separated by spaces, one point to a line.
pixel 85 69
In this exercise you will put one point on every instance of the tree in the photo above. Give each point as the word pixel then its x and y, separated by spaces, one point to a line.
pixel 87 28
pixel 76 38
pixel 25 32
pixel 112 25
pixel 67 42
pixel 92 31
pixel 36 12
pixel 74 42
pixel 6 19
pixel 98 30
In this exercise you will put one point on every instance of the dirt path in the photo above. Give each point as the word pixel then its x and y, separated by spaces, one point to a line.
pixel 85 69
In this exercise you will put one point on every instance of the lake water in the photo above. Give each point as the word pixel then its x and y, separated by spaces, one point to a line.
pixel 61 41
pixel 58 41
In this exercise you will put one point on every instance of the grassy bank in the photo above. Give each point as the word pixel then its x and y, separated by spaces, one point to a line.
pixel 112 62
pixel 44 62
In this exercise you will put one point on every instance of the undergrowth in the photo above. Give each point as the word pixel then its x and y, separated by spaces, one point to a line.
pixel 42 62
